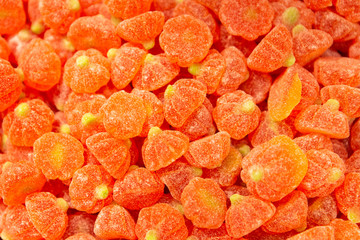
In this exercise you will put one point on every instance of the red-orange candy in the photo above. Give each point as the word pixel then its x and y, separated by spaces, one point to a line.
pixel 338 27
pixel 126 63
pixel 139 188
pixel 353 162
pixel 210 70
pixel 13 17
pixel 81 236
pixel 269 128
pixel 291 13
pixel 19 180
pixel 58 155
pixel 285 94
pixel 87 71
pixel 348 97
pixel 345 229
pixel 274 169
pixel 10 85
pixel 157 71
pixel 341 147
pixel 257 85
pixel 347 197
pixel 199 123
pixel 237 114
pixel 209 152
pixel 322 210
pixel 90 189
pixel 40 64
pixel 198 10
pixel 80 222
pixel 154 109
pixel 309 44
pixel 337 71
pixel 59 14
pixel 4 49
pixel 93 32
pixel 276 45
pixel 17 224
pixel 113 154
pixel 204 203
pixel 160 221
pixel 355 136
pixel 48 214
pixel 161 148
pixel 29 121
pixel 325 119
pixel 325 172
pixel 210 234
pixel 247 19
pixel 318 4
pixel 90 7
pixel 125 9
pixel 142 28
pixel 349 9
pixel 314 141
pixel 291 213
pixel 228 172
pixel 323 233
pixel 236 71
pixel 182 99
pixel 185 40
pixel 114 221
pixel 124 115
pixel 177 176
pixel 61 45
pixel 246 214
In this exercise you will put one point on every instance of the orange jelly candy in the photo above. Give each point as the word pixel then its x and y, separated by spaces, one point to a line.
pixel 58 155
pixel 10 85
pixel 13 16
pixel 322 232
pixel 274 169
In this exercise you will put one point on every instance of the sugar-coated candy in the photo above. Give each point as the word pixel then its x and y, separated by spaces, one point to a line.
pixel 125 9
pixel 58 155
pixel 204 203
pixel 10 87
pixel 13 17
pixel 322 211
pixel 345 229
pixel 322 232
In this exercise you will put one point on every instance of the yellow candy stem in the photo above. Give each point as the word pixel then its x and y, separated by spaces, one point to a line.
pixel 6 165
pixel 149 58
pixel 244 149
pixel 73 5
pixel 101 192
pixel 62 204
pixel 354 215
pixel 115 20
pixel 88 119
pixel 154 131
pixel 236 198
pixel 111 53
pixel 37 27
pixel 248 107
pixel 333 104
pixel 290 16
pixel 149 44
pixel 197 171
pixel 256 173
pixel 298 29
pixel 151 235
pixel 22 110
pixel 24 35
pixel 65 128
pixel 169 92
pixel 82 61
pixel 20 72
pixel 290 61
pixel 68 45
pixel 194 69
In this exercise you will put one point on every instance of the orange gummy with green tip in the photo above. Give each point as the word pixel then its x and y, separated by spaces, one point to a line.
pixel 274 169
pixel 58 155
pixel 91 189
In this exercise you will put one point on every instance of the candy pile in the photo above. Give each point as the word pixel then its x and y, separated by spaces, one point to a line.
pixel 180 119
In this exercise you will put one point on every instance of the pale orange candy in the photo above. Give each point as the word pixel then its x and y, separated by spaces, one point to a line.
pixel 322 232
pixel 285 94
pixel 345 229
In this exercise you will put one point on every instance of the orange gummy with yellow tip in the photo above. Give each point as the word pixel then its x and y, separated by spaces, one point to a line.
pixel 87 71
pixel 33 117
pixel 274 169
pixel 237 114
pixel 91 189
pixel 204 203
